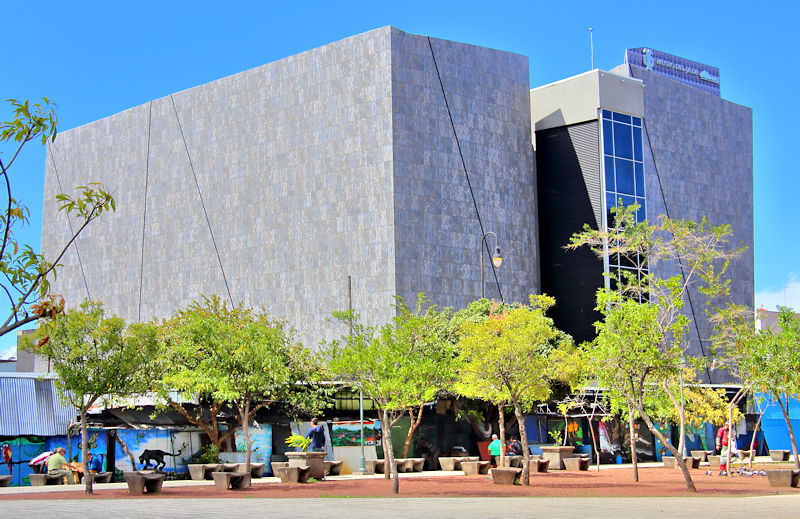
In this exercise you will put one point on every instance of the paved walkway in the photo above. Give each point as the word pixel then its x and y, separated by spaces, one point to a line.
pixel 404 508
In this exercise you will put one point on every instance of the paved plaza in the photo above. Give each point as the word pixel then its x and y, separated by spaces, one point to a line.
pixel 783 506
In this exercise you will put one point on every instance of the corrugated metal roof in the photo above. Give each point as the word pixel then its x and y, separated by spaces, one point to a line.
pixel 773 410
pixel 29 404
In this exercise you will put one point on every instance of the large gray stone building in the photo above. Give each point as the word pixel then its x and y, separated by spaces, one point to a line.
pixel 271 186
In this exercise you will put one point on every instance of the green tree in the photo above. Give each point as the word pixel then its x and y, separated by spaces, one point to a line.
pixel 25 275
pixel 766 361
pixel 96 358
pixel 512 357
pixel 640 349
pixel 235 356
pixel 400 365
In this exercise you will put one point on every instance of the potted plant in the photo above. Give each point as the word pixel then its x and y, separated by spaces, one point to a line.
pixel 303 458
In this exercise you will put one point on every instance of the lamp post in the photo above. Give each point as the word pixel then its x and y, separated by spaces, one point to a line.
pixel 497 259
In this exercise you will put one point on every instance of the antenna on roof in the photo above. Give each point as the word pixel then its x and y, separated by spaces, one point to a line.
pixel 591 46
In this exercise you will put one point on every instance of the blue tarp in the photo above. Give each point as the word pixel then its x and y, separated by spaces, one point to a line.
pixel 774 425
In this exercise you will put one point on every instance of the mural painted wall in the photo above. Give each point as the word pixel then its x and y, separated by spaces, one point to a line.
pixel 167 449
pixel 261 437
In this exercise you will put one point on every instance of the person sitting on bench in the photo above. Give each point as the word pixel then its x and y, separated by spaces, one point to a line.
pixel 55 465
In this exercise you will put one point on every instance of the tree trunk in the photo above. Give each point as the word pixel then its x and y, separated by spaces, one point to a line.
pixel 85 452
pixel 501 421
pixel 678 455
pixel 735 401
pixel 753 440
pixel 785 411
pixel 126 450
pixel 414 424
pixel 634 456
pixel 388 452
pixel 246 431
pixel 526 453
pixel 591 429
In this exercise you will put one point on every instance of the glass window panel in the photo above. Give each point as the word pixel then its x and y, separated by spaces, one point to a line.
pixel 609 166
pixel 610 202
pixel 624 170
pixel 622 118
pixel 641 214
pixel 623 146
pixel 637 143
pixel 639 174
pixel 637 121
pixel 627 200
pixel 606 114
pixel 608 136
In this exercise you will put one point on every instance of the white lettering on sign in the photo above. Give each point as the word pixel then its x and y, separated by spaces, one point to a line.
pixel 702 74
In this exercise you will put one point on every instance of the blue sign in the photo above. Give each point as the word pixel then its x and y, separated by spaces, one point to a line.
pixel 698 75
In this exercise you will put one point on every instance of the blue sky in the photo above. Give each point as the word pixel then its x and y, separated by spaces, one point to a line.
pixel 95 59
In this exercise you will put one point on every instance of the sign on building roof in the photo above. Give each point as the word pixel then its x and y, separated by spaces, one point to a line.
pixel 693 73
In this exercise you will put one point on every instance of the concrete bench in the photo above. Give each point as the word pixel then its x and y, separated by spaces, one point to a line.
pixel 228 467
pixel 256 469
pixel 40 480
pixel 505 475
pixel 201 471
pixel 783 477
pixel 333 468
pixel 452 463
pixel 417 464
pixel 714 460
pixel 293 474
pixel 279 465
pixel 702 454
pixel 101 477
pixel 475 468
pixel 231 480
pixel 404 465
pixel 140 483
pixel 539 465
pixel 512 461
pixel 375 466
pixel 576 464
pixel 779 455
pixel 691 462
pixel 5 481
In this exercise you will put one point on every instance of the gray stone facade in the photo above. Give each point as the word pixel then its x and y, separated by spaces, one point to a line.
pixel 703 147
pixel 270 186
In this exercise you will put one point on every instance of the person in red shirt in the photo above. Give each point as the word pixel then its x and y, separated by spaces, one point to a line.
pixel 723 442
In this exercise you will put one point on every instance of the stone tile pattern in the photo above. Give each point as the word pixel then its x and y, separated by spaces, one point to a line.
pixel 704 153
pixel 294 163
pixel 437 234
pixel 304 181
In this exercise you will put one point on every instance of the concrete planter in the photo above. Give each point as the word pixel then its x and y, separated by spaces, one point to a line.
pixel 556 454
pixel 783 477
pixel 779 455
pixel 314 460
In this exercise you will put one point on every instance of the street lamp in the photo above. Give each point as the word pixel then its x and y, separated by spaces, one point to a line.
pixel 497 258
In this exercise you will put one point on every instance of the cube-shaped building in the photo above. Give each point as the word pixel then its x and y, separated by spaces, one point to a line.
pixel 272 186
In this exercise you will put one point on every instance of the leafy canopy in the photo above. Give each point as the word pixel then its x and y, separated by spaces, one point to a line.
pixel 513 355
